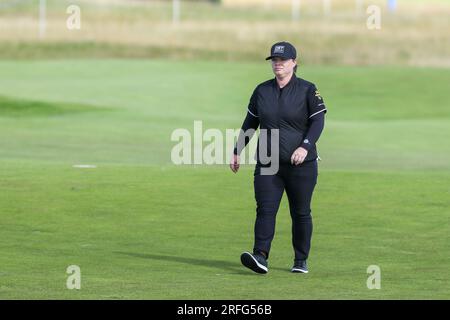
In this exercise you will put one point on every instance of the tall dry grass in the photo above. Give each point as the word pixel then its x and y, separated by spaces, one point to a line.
pixel 417 34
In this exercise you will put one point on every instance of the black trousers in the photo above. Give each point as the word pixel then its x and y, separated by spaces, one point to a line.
pixel 299 182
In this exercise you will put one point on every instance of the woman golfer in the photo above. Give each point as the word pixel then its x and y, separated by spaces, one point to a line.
pixel 292 112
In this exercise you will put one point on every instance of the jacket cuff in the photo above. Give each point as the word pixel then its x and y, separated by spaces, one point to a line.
pixel 306 144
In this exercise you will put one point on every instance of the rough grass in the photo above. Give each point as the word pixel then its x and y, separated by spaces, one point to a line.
pixel 415 35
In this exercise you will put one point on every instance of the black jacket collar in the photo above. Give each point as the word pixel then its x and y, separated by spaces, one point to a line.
pixel 291 82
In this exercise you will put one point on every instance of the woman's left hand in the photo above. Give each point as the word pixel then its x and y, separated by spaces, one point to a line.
pixel 299 155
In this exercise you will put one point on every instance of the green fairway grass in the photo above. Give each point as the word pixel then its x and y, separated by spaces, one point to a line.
pixel 140 227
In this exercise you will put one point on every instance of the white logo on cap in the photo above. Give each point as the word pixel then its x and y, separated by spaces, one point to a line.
pixel 278 49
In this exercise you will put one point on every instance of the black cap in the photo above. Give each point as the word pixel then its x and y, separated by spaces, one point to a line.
pixel 284 50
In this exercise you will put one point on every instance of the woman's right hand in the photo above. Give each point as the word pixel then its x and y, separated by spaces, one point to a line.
pixel 234 163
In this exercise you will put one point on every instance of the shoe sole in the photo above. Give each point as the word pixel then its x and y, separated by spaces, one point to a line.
pixel 298 270
pixel 250 262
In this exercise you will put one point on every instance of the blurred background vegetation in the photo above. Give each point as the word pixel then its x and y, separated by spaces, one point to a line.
pixel 112 93
pixel 416 33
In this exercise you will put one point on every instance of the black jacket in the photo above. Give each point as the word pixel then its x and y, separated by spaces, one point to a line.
pixel 292 109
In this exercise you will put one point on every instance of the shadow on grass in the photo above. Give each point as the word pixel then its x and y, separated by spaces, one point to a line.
pixel 231 267
pixel 20 108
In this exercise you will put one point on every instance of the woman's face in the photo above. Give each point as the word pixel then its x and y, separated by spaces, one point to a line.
pixel 282 68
